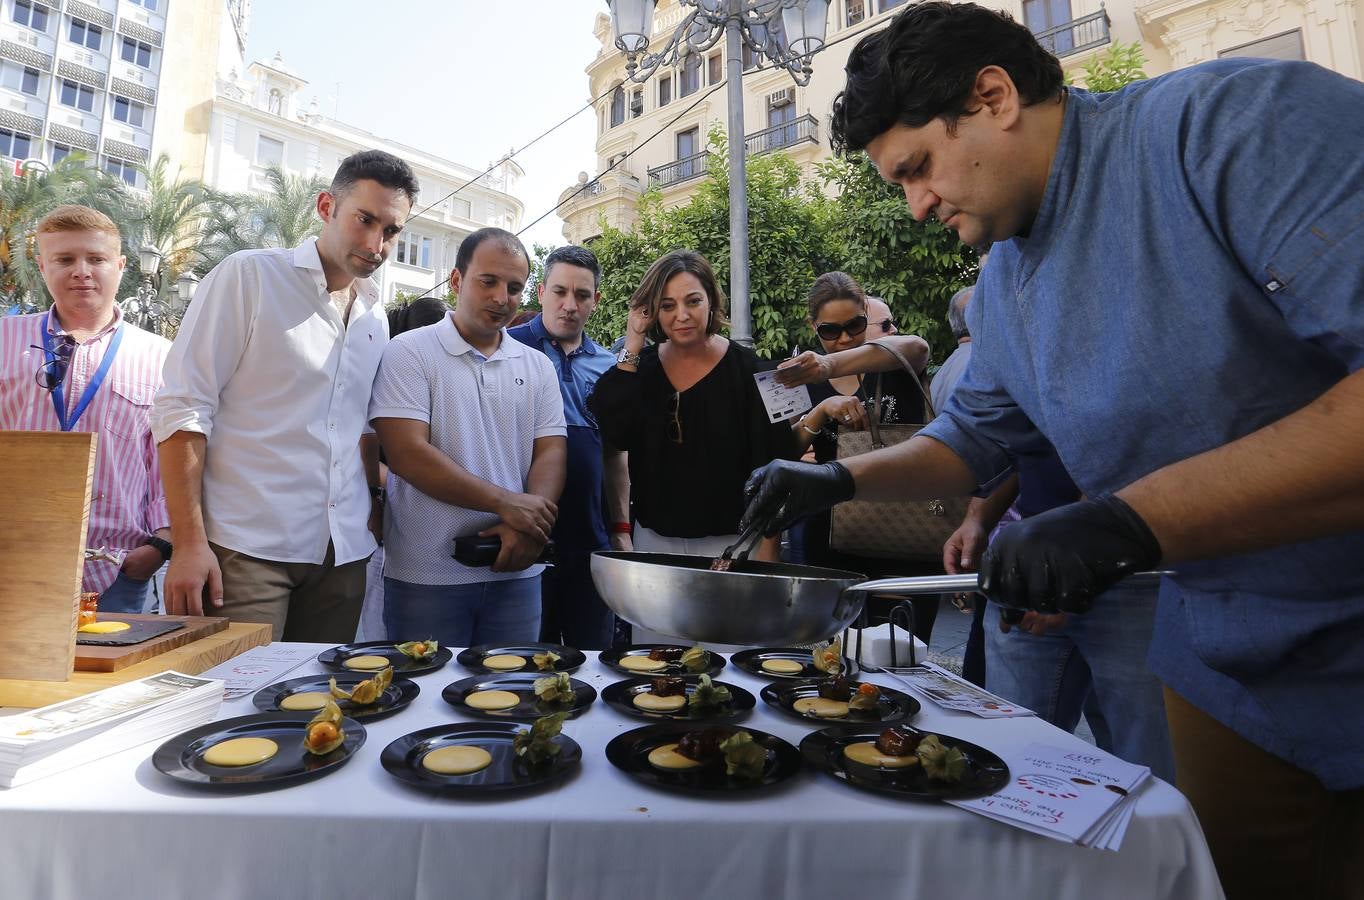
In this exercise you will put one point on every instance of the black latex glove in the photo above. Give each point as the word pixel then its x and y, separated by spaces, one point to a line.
pixel 781 492
pixel 1064 558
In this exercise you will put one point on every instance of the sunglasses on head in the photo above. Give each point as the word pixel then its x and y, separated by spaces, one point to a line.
pixel 53 371
pixel 831 331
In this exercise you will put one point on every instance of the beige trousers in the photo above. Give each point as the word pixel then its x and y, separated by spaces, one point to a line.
pixel 300 601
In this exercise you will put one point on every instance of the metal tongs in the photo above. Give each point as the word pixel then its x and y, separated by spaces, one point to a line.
pixel 748 539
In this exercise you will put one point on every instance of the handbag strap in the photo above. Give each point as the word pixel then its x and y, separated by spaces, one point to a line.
pixel 914 376
pixel 875 424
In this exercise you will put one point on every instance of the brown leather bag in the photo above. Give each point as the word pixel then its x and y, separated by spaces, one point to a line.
pixel 915 530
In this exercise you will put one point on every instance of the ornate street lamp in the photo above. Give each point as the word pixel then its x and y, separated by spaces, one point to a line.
pixel 185 286
pixel 145 309
pixel 742 23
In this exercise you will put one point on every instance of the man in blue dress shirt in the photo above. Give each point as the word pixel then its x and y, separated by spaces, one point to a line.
pixel 572 612
pixel 1175 301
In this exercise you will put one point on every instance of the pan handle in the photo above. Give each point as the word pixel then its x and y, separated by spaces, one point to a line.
pixel 964 584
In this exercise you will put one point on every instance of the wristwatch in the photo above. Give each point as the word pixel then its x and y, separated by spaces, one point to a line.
pixel 162 546
pixel 625 357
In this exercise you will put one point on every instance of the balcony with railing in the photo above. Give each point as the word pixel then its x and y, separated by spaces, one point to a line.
pixel 788 134
pixel 679 170
pixel 1077 35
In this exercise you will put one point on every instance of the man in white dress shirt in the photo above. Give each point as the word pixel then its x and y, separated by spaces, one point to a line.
pixel 472 424
pixel 270 473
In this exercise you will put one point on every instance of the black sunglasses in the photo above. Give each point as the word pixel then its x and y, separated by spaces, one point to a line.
pixel 886 325
pixel 831 331
pixel 53 371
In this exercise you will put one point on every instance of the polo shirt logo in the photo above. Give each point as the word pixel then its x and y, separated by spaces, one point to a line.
pixel 520 381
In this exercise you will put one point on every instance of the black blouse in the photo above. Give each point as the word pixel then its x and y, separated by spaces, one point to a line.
pixel 687 478
pixel 901 402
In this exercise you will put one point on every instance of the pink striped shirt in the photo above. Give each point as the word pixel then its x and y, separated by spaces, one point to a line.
pixel 126 501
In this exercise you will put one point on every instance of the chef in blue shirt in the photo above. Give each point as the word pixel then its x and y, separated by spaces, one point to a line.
pixel 1175 302
pixel 598 483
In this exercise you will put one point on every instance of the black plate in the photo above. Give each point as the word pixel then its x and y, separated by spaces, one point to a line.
pixel 629 752
pixel 986 772
pixel 472 658
pixel 139 630
pixel 523 685
pixel 403 666
pixel 399 693
pixel 402 759
pixel 751 661
pixel 620 697
pixel 182 757
pixel 611 658
pixel 892 706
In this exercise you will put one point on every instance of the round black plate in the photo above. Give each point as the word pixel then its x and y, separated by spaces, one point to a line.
pixel 621 695
pixel 611 658
pixel 396 697
pixel 472 658
pixel 629 752
pixel 985 773
pixel 751 661
pixel 403 666
pixel 892 706
pixel 182 757
pixel 402 759
pixel 523 685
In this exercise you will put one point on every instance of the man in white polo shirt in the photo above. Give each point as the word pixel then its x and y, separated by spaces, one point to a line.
pixel 472 425
pixel 261 424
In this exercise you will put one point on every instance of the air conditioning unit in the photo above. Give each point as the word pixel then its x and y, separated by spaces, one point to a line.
pixel 781 97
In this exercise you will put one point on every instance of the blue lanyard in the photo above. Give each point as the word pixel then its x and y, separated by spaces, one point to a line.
pixel 59 395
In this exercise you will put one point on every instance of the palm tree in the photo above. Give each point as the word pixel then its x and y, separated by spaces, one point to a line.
pixel 282 217
pixel 172 218
pixel 25 199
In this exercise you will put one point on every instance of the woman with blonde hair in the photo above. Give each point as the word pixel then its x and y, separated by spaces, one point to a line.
pixel 687 411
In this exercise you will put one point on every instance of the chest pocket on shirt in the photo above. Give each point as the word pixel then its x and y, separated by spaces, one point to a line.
pixel 129 414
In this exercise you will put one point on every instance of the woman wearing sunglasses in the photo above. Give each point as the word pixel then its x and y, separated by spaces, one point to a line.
pixel 688 412
pixel 842 380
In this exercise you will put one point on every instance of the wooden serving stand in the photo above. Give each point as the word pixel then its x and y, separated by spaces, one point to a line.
pixel 42 544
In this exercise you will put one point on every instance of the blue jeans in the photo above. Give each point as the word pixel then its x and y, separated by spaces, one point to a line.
pixel 463 615
pixel 1099 657
pixel 125 595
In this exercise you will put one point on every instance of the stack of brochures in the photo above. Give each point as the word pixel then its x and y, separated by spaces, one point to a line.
pixel 64 735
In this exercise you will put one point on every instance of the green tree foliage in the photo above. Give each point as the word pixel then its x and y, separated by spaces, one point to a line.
pixel 171 219
pixel 283 216
pixel 1118 66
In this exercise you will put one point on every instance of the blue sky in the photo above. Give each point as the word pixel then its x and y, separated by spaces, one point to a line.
pixel 465 79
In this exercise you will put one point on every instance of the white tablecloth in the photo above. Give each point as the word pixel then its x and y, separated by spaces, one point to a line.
pixel 118 828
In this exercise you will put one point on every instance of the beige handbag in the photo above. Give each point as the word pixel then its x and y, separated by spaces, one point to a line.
pixel 914 530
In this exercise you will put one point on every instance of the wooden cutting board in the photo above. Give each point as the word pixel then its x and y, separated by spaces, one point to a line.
pixel 111 659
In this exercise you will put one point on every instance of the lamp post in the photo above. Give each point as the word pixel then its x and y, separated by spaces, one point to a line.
pixel 786 32
pixel 145 308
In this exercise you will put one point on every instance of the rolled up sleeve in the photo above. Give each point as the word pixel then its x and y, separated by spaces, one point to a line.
pixel 549 402
pixel 207 351
pixel 402 387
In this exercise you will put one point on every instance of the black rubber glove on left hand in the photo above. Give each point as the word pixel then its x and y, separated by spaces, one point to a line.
pixel 781 492
pixel 1062 559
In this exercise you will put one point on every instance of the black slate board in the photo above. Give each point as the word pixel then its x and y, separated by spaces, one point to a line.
pixel 136 633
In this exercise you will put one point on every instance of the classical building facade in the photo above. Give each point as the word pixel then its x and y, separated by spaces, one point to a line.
pixel 662 127
pixel 90 76
pixel 263 117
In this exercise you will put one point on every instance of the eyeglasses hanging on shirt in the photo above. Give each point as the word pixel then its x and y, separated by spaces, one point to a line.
pixel 58 362
pixel 675 420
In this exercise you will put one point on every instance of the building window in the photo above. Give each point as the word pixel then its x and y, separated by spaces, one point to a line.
pixel 856 12
pixel 15 144
pixel 461 207
pixel 129 111
pixel 890 4
pixel 1281 46
pixel 60 152
pixel 85 34
pixel 414 250
pixel 780 118
pixel 636 103
pixel 691 75
pixel 19 78
pixel 665 90
pixel 269 151
pixel 30 14
pixel 750 58
pixel 686 148
pixel 1043 15
pixel 77 96
pixel 617 106
pixel 145 4
pixel 136 52
pixel 715 68
pixel 124 171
